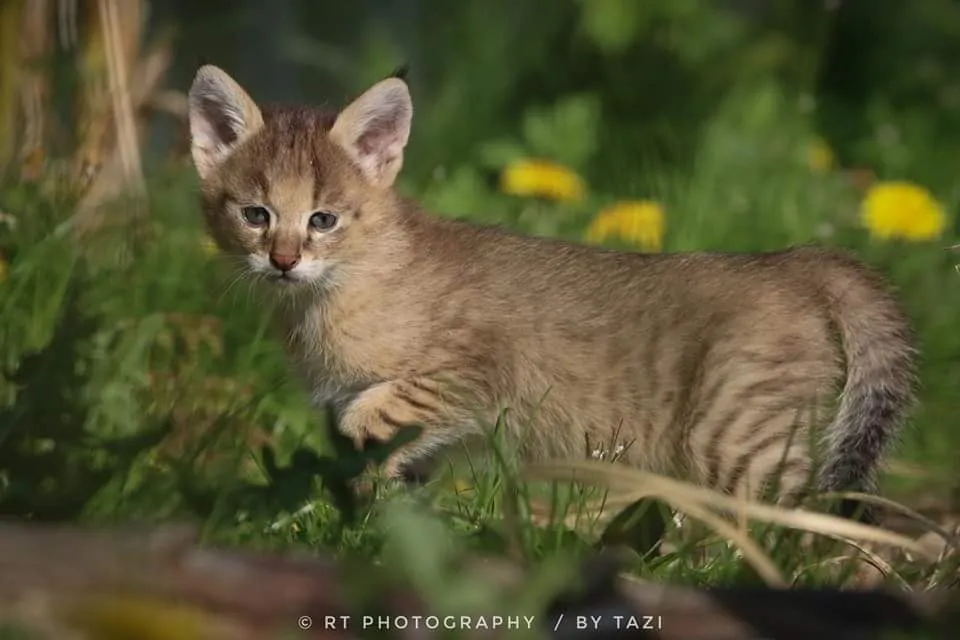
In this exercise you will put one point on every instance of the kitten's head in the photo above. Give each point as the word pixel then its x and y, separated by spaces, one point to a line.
pixel 299 194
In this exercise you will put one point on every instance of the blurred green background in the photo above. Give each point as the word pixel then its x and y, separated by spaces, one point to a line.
pixel 140 379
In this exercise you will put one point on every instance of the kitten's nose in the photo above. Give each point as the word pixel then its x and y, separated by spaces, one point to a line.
pixel 284 262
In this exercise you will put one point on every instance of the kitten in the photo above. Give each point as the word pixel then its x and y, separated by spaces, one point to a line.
pixel 710 364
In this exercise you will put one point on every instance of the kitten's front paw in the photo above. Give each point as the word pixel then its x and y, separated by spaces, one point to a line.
pixel 364 421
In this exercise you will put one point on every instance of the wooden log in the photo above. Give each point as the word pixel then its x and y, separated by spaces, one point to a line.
pixel 619 606
pixel 54 579
pixel 240 594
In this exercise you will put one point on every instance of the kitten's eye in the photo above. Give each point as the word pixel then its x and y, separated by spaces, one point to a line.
pixel 256 216
pixel 323 221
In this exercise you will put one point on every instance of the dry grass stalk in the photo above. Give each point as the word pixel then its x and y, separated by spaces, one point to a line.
pixel 628 485
pixel 11 20
pixel 110 156
pixel 119 84
pixel 128 145
pixel 951 539
pixel 93 119
pixel 161 582
pixel 36 43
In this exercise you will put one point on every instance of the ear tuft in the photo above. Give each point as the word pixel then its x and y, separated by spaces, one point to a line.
pixel 401 72
pixel 222 115
pixel 374 130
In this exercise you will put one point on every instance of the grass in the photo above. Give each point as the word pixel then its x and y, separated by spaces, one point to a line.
pixel 143 383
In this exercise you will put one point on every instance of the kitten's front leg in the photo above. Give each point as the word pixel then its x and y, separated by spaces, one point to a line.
pixel 381 411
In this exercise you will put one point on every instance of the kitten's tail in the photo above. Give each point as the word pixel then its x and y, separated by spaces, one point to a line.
pixel 879 390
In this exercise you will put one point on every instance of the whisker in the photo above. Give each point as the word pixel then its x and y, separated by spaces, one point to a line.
pixel 236 279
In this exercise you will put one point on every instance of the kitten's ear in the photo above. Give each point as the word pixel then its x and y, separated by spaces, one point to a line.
pixel 374 130
pixel 222 115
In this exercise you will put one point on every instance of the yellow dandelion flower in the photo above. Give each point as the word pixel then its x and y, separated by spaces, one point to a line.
pixel 640 222
pixel 820 156
pixel 136 617
pixel 902 210
pixel 542 179
pixel 208 246
pixel 461 486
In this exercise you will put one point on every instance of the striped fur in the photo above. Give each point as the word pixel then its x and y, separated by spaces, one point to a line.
pixel 721 368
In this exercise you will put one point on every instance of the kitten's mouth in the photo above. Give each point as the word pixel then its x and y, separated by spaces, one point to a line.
pixel 285 279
